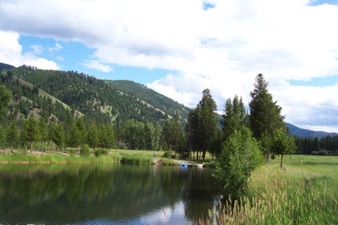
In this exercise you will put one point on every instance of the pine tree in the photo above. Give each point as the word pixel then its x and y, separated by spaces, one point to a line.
pixel 235 116
pixel 265 115
pixel 208 121
pixel 57 135
pixel 12 134
pixel 193 131
pixel 31 131
pixel 173 134
pixel 93 136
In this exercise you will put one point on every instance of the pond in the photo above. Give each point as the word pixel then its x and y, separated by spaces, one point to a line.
pixel 102 194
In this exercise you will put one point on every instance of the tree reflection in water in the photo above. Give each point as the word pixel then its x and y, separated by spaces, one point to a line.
pixel 114 194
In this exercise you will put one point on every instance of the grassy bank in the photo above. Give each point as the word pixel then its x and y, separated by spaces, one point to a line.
pixel 137 157
pixel 304 194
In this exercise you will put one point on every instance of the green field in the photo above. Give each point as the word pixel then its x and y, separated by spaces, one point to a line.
pixel 306 193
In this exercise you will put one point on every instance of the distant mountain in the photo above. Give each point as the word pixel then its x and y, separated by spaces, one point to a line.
pixel 300 132
pixel 4 66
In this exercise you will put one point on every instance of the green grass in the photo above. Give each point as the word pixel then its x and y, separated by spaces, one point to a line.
pixel 306 193
pixel 114 156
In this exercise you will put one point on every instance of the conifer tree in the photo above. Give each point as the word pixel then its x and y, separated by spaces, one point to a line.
pixel 93 136
pixel 31 131
pixel 202 124
pixel 208 123
pixel 234 117
pixel 265 115
pixel 12 134
pixel 56 134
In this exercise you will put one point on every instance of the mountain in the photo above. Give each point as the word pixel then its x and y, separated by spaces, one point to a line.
pixel 300 132
pixel 64 94
pixel 4 66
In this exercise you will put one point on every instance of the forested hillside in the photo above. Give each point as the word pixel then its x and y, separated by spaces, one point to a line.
pixel 97 100
pixel 151 97
pixel 71 109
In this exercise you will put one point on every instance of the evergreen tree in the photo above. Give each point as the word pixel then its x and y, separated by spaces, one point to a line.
pixel 234 117
pixel 93 136
pixel 265 115
pixel 149 136
pixel 12 134
pixel 193 131
pixel 57 134
pixel 74 137
pixel 201 127
pixel 2 137
pixel 106 136
pixel 31 132
pixel 157 136
pixel 43 130
pixel 173 134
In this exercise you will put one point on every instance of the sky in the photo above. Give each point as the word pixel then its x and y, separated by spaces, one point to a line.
pixel 179 48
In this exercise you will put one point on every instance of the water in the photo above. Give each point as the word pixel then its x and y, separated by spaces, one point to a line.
pixel 114 194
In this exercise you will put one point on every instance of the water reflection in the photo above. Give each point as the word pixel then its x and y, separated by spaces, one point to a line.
pixel 104 194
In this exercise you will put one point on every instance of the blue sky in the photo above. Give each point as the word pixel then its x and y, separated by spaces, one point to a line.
pixel 180 48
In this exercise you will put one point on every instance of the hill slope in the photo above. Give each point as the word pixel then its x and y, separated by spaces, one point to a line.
pixel 151 97
pixel 99 101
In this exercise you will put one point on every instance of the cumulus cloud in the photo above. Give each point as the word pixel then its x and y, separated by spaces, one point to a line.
pixel 215 44
pixel 93 64
pixel 11 53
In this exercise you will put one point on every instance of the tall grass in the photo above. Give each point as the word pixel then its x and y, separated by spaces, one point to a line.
pixel 306 193
pixel 113 156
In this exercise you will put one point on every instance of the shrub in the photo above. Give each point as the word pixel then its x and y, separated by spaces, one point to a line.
pixel 100 151
pixel 85 150
pixel 240 156
pixel 314 153
pixel 168 154
pixel 323 152
pixel 273 156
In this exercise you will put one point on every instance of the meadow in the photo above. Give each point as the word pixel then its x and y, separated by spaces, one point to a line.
pixel 305 193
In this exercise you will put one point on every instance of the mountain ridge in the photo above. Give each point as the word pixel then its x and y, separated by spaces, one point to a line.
pixel 110 100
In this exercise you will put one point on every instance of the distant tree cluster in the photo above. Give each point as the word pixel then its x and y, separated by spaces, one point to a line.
pixel 310 145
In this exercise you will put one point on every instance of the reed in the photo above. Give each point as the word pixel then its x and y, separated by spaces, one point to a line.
pixel 304 194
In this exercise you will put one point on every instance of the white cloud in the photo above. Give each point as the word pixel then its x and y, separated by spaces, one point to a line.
pixel 222 48
pixel 11 53
pixel 55 48
pixel 93 64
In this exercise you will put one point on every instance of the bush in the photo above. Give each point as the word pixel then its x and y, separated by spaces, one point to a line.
pixel 100 151
pixel 168 154
pixel 85 150
pixel 273 156
pixel 323 152
pixel 314 153
pixel 240 156
pixel 72 151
